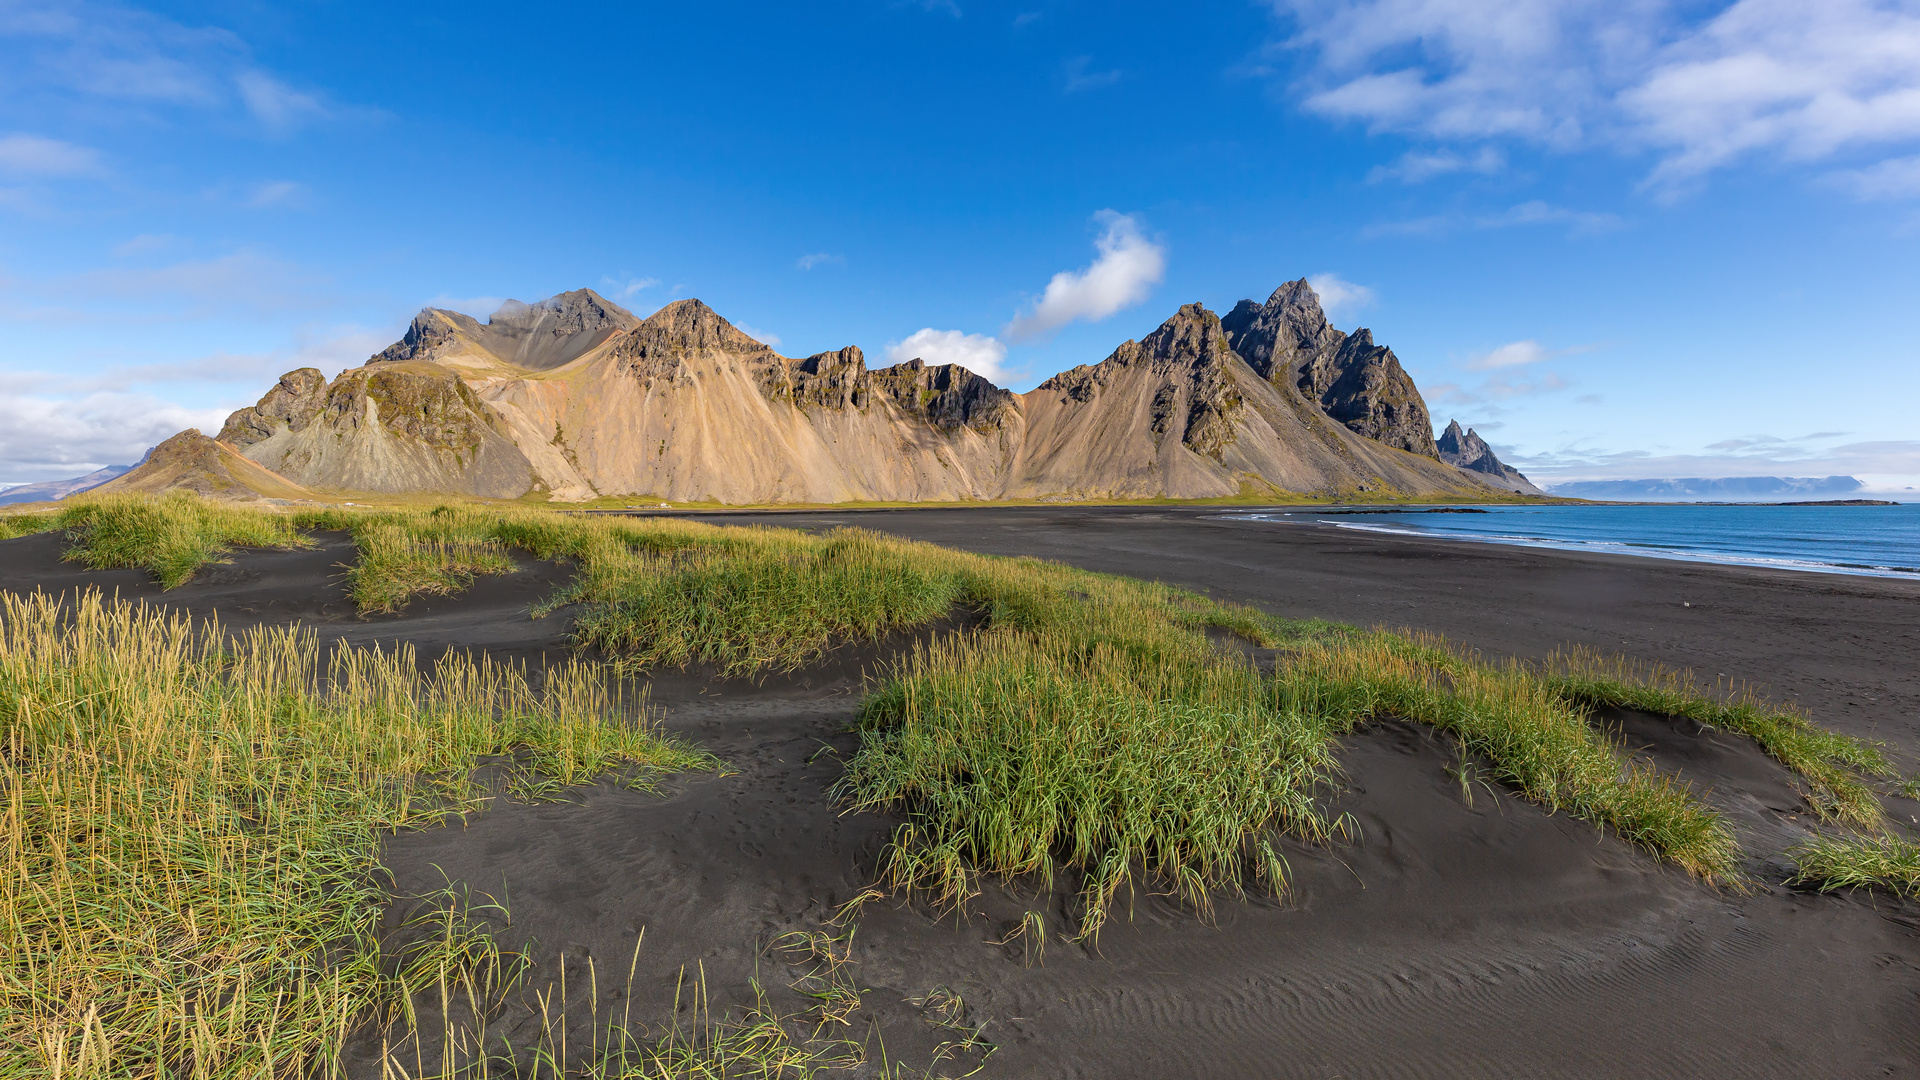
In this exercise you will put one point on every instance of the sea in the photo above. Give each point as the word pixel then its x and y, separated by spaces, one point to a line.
pixel 1879 541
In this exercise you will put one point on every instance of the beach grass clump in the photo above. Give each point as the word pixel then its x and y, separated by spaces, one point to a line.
pixel 27 524
pixel 395 565
pixel 1832 763
pixel 1535 740
pixel 170 536
pixel 1853 862
pixel 1015 751
pixel 189 875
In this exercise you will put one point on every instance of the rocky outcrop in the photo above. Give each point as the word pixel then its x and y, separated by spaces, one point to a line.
pixel 573 399
pixel 290 405
pixel 390 426
pixel 949 396
pixel 192 462
pixel 1356 382
pixel 1467 450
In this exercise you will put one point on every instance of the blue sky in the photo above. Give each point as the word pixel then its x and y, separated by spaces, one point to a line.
pixel 1627 238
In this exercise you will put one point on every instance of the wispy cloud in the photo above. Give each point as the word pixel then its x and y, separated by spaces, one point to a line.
pixel 76 54
pixel 1526 214
pixel 278 107
pixel 1078 78
pixel 1419 166
pixel 243 283
pixel 285 194
pixel 820 258
pixel 34 155
pixel 1128 267
pixel 627 287
pixel 979 353
pixel 1883 465
pixel 770 340
pixel 1517 353
pixel 1760 80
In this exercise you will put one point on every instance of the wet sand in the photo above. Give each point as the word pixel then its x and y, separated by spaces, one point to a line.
pixel 1452 938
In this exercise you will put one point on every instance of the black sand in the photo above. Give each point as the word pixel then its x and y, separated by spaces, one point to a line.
pixel 1451 939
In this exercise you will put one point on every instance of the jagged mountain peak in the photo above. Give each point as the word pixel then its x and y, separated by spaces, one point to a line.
pixel 578 309
pixel 688 326
pixel 1467 450
pixel 1276 335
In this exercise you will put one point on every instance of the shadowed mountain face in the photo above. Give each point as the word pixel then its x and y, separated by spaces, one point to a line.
pixel 1469 451
pixel 573 398
pixel 1356 382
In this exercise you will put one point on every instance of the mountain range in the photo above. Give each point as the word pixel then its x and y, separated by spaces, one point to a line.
pixel 576 398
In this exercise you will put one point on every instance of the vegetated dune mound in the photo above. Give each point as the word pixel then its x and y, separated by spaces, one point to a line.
pixel 575 398
pixel 192 462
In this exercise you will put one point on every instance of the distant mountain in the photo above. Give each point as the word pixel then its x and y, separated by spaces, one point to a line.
pixel 1723 489
pixel 49 490
pixel 575 398
pixel 1469 451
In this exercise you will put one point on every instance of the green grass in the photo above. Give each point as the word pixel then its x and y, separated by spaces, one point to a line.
pixel 171 536
pixel 1830 762
pixel 1091 723
pixel 189 874
pixel 27 524
pixel 1855 862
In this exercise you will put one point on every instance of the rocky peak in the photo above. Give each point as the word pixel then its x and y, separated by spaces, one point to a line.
pixel 293 402
pixel 1467 450
pixel 1277 335
pixel 1288 341
pixel 430 330
pixel 832 380
pixel 1190 356
pixel 664 340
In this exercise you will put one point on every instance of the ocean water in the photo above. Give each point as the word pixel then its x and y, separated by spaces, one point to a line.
pixel 1881 541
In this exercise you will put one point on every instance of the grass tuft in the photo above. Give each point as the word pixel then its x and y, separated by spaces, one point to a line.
pixel 1828 760
pixel 169 536
pixel 1855 862
pixel 188 869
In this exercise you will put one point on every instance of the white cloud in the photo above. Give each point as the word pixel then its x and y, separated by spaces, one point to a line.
pixel 1416 166
pixel 978 353
pixel 761 336
pixel 821 258
pixel 1340 296
pixel 1883 465
pixel 51 439
pixel 1759 80
pixel 33 155
pixel 1128 268
pixel 145 243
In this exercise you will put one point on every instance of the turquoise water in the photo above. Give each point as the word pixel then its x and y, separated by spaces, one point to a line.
pixel 1882 541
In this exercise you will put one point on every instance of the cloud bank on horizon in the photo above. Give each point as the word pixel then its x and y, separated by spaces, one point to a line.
pixel 1703 189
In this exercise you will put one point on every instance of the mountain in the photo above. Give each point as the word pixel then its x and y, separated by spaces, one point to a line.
pixel 574 398
pixel 1470 451
pixel 1362 385
pixel 1723 489
pixel 48 490
pixel 192 462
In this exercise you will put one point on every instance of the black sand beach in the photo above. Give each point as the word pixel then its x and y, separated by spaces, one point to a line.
pixel 1450 938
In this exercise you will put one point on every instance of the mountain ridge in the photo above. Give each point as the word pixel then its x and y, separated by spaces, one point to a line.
pixel 574 398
